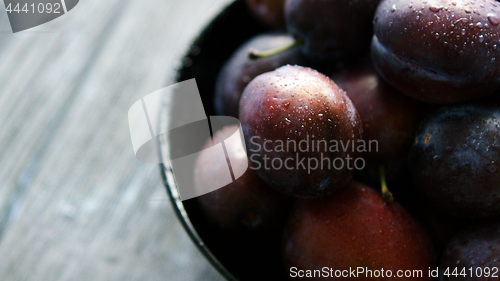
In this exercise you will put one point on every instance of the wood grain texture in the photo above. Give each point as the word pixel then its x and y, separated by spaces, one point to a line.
pixel 75 204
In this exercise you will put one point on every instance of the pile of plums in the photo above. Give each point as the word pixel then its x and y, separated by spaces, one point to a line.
pixel 372 133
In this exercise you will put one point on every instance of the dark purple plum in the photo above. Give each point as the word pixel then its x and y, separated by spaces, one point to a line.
pixel 389 118
pixel 331 30
pixel 268 12
pixel 239 70
pixel 246 204
pixel 455 159
pixel 438 51
pixel 473 252
pixel 292 118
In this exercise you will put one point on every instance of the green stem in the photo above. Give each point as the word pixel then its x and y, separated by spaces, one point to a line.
pixel 255 54
pixel 386 194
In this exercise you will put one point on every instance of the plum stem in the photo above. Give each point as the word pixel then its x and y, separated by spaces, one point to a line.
pixel 255 54
pixel 386 194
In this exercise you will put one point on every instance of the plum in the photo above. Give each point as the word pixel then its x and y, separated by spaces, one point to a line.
pixel 355 228
pixel 389 118
pixel 473 254
pixel 301 131
pixel 239 70
pixel 331 30
pixel 268 12
pixel 246 204
pixel 455 158
pixel 438 51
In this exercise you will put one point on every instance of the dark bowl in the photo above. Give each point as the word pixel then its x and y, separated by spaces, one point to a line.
pixel 236 257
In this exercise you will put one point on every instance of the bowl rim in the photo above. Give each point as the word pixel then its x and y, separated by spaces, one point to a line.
pixel 168 175
pixel 174 196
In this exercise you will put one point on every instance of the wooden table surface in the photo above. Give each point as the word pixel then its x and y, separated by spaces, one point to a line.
pixel 75 204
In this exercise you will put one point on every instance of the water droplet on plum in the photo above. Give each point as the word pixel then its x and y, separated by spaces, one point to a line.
pixel 435 8
pixel 493 18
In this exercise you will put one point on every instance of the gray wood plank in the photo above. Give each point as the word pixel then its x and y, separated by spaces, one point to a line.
pixel 74 202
